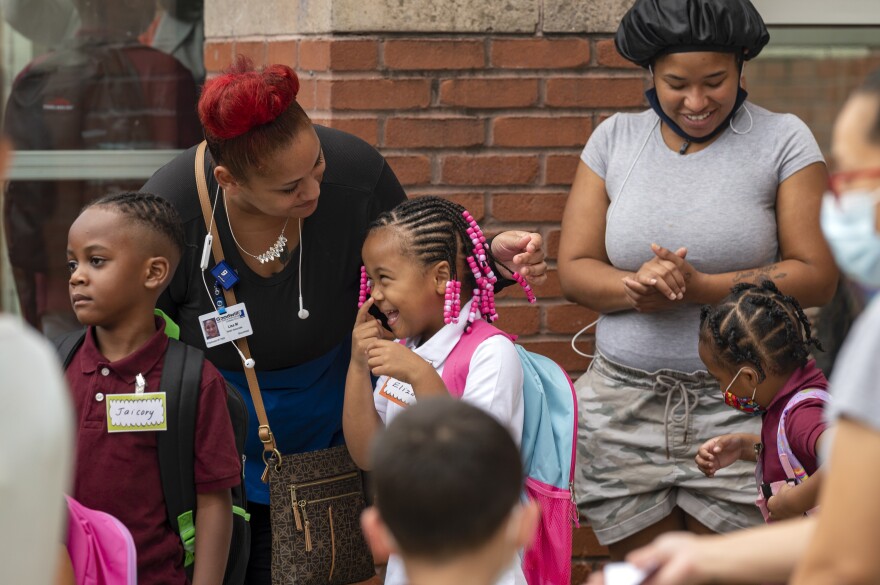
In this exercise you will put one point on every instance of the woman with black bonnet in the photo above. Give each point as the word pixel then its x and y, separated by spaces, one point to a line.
pixel 669 209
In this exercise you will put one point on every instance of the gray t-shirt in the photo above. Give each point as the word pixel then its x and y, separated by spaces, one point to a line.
pixel 855 383
pixel 719 203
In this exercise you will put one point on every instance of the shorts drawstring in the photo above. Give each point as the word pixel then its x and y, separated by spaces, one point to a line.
pixel 687 396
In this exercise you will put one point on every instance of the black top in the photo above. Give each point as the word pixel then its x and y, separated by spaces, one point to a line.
pixel 358 185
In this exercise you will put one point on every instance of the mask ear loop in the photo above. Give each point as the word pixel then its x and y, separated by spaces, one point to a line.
pixel 748 113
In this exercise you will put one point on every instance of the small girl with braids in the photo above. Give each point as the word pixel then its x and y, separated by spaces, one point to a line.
pixel 756 343
pixel 426 272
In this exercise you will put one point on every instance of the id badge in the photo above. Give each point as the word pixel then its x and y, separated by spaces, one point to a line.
pixel 136 412
pixel 231 325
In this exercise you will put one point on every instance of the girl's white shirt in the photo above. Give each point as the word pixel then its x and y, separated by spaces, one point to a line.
pixel 494 385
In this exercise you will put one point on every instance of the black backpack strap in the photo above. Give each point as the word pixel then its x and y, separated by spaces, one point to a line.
pixel 181 379
pixel 67 344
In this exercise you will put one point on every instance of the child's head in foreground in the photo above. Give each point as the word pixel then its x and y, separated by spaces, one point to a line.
pixel 752 342
pixel 448 482
pixel 122 251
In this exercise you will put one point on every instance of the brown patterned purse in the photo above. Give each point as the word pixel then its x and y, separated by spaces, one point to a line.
pixel 315 498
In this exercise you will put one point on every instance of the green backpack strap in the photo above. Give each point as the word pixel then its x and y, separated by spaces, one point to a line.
pixel 181 379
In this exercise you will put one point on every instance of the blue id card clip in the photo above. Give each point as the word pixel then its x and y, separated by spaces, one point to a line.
pixel 225 275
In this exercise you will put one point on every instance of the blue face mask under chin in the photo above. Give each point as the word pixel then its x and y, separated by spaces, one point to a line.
pixel 849 226
pixel 654 102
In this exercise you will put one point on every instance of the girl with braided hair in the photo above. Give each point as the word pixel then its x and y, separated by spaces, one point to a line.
pixel 756 343
pixel 427 276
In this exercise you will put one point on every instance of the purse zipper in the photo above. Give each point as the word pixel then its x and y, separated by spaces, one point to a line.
pixel 294 501
pixel 306 525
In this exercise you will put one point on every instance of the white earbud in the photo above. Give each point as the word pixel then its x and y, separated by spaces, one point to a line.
pixel 248 362
pixel 206 252
pixel 303 313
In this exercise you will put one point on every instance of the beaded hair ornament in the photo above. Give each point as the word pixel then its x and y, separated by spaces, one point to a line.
pixel 484 291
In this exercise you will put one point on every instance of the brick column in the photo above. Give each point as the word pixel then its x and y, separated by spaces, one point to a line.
pixel 487 105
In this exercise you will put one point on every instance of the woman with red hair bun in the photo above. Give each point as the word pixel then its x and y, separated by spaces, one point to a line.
pixel 291 203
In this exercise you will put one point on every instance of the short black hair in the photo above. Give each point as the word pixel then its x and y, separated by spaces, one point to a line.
pixel 758 325
pixel 446 475
pixel 151 211
pixel 871 86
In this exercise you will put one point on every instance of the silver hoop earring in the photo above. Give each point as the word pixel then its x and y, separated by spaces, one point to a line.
pixel 751 122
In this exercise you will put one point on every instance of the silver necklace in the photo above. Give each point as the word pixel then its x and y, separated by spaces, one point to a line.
pixel 277 250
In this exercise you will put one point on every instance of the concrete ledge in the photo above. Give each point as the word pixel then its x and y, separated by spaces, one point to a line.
pixel 591 16
pixel 228 18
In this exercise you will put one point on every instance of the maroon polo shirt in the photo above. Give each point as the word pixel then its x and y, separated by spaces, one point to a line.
pixel 118 473
pixel 803 424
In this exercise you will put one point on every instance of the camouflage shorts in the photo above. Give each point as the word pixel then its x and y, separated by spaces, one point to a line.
pixel 637 437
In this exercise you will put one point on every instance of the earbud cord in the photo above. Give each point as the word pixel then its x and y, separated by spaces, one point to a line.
pixel 210 229
pixel 303 313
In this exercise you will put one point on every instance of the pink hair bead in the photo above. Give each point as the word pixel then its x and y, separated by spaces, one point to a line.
pixel 364 292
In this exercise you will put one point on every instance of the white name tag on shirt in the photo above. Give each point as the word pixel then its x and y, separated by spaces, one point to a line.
pixel 136 412
pixel 398 392
pixel 233 324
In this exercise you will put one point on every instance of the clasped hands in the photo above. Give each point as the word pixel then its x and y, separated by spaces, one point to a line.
pixel 661 282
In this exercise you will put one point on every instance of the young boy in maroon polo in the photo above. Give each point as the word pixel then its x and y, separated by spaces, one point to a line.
pixel 122 251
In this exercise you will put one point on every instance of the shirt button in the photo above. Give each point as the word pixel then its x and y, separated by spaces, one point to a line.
pixel 99 397
pixel 105 371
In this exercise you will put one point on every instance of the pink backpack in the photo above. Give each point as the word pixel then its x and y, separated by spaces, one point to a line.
pixel 548 448
pixel 101 548
pixel 794 471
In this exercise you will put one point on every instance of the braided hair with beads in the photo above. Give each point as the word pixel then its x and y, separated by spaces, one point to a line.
pixel 150 210
pixel 435 230
pixel 759 325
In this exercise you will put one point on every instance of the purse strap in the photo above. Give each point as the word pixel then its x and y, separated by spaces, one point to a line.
pixel 263 431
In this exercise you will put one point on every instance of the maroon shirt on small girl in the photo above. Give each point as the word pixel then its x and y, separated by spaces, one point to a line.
pixel 118 473
pixel 803 424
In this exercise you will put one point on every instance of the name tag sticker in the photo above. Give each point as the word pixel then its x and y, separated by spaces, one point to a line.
pixel 136 412
pixel 233 324
pixel 398 392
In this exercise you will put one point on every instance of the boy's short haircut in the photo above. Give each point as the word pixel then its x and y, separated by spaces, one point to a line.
pixel 446 476
pixel 151 211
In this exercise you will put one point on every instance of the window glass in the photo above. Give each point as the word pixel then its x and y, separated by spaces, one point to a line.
pixel 93 90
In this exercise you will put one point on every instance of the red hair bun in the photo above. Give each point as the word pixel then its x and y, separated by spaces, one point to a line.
pixel 243 98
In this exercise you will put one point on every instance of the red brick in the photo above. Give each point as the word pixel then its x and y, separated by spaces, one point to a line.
pixel 607 56
pixel 489 93
pixel 540 53
pixel 434 132
pixel 568 318
pixel 283 52
pixel 367 129
pixel 519 319
pixel 254 50
pixel 560 352
pixel 532 131
pixel 434 54
pixel 218 56
pixel 551 244
pixel 585 544
pixel 380 94
pixel 475 203
pixel 580 573
pixel 489 170
pixel 411 170
pixel 561 168
pixel 528 206
pixel 595 92
pixel 314 94
pixel 314 55
pixel 354 55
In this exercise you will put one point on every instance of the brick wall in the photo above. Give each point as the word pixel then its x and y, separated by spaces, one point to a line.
pixel 494 123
